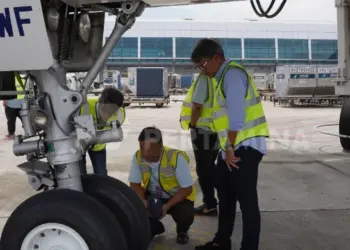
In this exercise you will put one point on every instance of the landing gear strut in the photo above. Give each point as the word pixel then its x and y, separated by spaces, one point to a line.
pixel 72 211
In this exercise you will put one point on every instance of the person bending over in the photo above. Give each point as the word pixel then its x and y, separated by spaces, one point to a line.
pixel 104 110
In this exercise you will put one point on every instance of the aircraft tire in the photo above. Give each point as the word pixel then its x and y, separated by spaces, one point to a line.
pixel 126 206
pixel 62 219
pixel 344 125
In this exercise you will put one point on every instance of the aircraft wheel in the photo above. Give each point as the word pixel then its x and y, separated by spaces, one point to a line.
pixel 62 219
pixel 344 125
pixel 126 206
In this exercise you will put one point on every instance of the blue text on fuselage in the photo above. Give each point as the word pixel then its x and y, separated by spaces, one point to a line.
pixel 6 26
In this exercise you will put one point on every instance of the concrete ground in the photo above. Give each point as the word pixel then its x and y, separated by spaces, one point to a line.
pixel 304 183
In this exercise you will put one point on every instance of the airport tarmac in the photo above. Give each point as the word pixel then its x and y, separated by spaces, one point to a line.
pixel 304 182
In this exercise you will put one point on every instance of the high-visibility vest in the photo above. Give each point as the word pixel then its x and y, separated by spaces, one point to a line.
pixel 19 86
pixel 255 124
pixel 205 120
pixel 91 106
pixel 167 168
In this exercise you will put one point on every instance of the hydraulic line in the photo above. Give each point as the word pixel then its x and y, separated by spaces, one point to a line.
pixel 317 128
pixel 262 13
pixel 65 36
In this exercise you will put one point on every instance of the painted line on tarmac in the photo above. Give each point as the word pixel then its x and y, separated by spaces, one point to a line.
pixel 336 159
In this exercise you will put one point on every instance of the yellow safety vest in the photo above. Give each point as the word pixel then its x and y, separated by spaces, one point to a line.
pixel 19 86
pixel 167 168
pixel 205 120
pixel 255 120
pixel 91 106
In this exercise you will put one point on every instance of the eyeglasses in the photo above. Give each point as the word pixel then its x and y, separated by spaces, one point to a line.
pixel 202 67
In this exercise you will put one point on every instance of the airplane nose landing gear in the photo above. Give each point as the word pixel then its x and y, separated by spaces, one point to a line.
pixel 62 219
pixel 77 212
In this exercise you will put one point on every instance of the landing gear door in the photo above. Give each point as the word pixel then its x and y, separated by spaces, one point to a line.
pixel 7 83
pixel 24 44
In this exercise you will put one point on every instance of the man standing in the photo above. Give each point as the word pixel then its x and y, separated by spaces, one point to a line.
pixel 104 110
pixel 162 179
pixel 13 108
pixel 241 125
pixel 196 115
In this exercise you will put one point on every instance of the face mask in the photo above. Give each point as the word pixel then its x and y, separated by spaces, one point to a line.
pixel 107 110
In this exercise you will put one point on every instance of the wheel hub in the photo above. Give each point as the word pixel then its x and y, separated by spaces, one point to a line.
pixel 53 236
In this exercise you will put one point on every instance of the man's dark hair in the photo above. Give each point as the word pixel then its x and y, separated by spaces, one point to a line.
pixel 151 133
pixel 111 95
pixel 206 48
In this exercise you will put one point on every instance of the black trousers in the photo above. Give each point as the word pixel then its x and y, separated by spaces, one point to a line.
pixel 239 185
pixel 205 148
pixel 11 116
pixel 182 214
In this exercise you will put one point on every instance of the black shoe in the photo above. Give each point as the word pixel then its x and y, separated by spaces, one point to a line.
pixel 212 246
pixel 204 210
pixel 182 238
pixel 157 228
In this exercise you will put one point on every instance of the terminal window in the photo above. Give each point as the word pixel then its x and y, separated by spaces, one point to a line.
pixel 259 48
pixel 232 47
pixel 323 49
pixel 156 47
pixel 293 49
pixel 126 47
pixel 184 46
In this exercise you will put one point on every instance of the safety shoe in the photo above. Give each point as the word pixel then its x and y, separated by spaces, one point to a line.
pixel 157 228
pixel 10 137
pixel 212 246
pixel 182 238
pixel 203 210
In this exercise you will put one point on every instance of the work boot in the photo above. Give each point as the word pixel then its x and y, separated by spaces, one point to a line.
pixel 10 136
pixel 204 210
pixel 182 238
pixel 157 227
pixel 212 246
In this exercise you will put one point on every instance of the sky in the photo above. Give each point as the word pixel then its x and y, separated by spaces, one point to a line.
pixel 294 10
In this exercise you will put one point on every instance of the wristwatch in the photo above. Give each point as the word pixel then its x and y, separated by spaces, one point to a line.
pixel 229 147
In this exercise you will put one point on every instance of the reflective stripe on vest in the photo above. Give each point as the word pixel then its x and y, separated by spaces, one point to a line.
pixel 205 120
pixel 167 172
pixel 19 86
pixel 90 108
pixel 255 120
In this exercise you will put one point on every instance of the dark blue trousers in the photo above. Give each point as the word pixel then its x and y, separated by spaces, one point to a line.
pixel 98 160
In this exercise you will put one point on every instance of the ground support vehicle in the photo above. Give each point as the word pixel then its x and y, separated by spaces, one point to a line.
pixel 159 102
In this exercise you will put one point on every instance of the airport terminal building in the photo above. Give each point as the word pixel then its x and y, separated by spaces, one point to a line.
pixel 257 45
